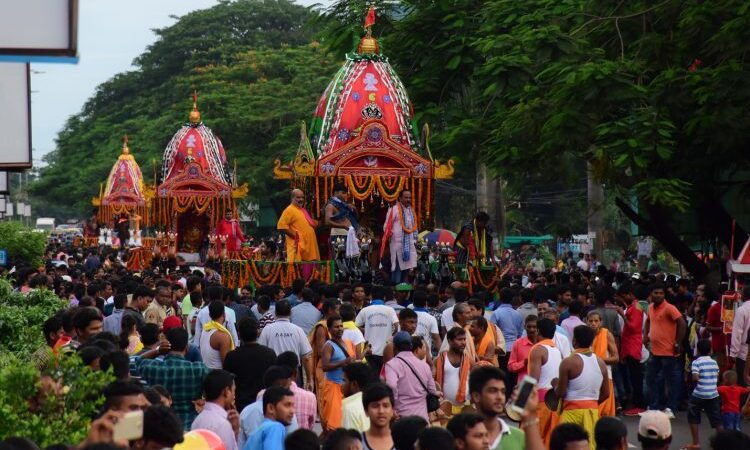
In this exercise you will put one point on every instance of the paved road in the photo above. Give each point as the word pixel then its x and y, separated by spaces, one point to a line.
pixel 680 432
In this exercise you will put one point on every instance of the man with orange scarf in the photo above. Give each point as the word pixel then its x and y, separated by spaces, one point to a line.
pixel 401 228
pixel 484 341
pixel 299 227
pixel 452 370
pixel 337 353
pixel 604 347
pixel 544 366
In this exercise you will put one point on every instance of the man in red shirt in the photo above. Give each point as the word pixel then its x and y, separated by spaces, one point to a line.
pixel 715 326
pixel 630 348
pixel 665 330
pixel 230 227
pixel 519 354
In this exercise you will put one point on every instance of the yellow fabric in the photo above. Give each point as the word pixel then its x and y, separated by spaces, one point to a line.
pixel 353 413
pixel 134 344
pixel 214 325
pixel 306 248
pixel 330 398
pixel 350 325
pixel 586 418
pixel 599 346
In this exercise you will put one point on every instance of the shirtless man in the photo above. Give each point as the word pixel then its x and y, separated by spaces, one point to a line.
pixel 339 215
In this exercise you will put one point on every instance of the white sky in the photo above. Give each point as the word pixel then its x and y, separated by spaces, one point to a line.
pixel 110 35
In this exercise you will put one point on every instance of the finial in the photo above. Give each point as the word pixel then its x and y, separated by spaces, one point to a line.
pixel 370 20
pixel 368 44
pixel 125 149
pixel 195 115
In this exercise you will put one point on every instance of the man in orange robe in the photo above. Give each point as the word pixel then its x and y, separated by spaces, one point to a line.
pixel 299 227
pixel 604 347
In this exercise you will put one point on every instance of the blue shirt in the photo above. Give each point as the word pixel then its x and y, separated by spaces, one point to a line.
pixel 269 436
pixel 510 322
pixel 252 417
pixel 708 375
pixel 337 376
pixel 293 300
pixel 305 315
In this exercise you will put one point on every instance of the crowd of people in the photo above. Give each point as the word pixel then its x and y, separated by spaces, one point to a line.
pixel 398 366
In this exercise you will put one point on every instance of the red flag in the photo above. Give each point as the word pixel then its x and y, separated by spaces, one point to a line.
pixel 370 19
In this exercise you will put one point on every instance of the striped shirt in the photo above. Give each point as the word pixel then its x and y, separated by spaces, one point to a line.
pixel 708 375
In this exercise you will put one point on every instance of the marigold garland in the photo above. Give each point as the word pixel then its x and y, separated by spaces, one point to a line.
pixel 317 197
pixel 237 273
pixel 360 187
pixel 390 193
pixel 429 197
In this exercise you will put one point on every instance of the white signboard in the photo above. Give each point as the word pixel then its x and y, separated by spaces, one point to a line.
pixel 27 210
pixel 39 27
pixel 2 205
pixel 15 116
pixel 9 209
pixel 4 184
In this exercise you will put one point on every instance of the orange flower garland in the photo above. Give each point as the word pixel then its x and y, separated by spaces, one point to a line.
pixel 360 187
pixel 401 218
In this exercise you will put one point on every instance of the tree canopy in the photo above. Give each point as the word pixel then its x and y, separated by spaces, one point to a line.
pixel 257 71
pixel 652 96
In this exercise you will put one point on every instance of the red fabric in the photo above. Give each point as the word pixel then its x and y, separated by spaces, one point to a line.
pixel 232 229
pixel 386 231
pixel 713 319
pixel 730 398
pixel 519 357
pixel 632 332
pixel 171 322
pixel 370 19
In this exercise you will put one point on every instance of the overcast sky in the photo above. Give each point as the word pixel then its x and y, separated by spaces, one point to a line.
pixel 110 35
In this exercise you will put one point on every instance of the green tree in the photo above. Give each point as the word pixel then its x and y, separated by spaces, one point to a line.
pixel 24 246
pixel 257 76
pixel 53 407
pixel 650 94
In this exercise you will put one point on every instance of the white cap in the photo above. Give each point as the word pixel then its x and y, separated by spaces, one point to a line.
pixel 654 425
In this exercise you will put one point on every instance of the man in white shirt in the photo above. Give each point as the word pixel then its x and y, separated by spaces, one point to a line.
pixel 283 336
pixel 582 264
pixel 446 319
pixel 740 326
pixel 427 326
pixel 215 293
pixel 378 323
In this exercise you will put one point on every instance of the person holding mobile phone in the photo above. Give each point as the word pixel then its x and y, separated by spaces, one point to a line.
pixel 488 395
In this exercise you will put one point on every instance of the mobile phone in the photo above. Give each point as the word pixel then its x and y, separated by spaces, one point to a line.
pixel 524 391
pixel 129 427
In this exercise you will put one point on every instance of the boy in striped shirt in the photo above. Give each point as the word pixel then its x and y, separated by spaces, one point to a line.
pixel 705 395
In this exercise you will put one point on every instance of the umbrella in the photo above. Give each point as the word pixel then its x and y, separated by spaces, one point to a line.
pixel 438 235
